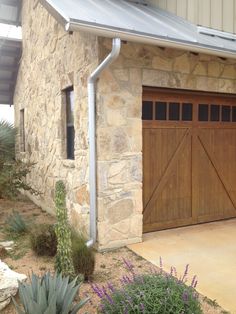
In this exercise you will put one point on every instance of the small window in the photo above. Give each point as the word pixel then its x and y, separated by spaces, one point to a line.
pixel 70 130
pixel 161 110
pixel 233 114
pixel 225 113
pixel 147 110
pixel 174 111
pixel 203 112
pixel 22 130
pixel 187 112
pixel 215 113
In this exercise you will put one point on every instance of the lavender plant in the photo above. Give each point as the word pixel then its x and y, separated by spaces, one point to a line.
pixel 154 292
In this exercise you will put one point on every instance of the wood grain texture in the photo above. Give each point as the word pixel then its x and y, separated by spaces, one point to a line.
pixel 189 167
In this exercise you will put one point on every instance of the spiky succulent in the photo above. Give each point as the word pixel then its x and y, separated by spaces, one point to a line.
pixel 64 263
pixel 15 224
pixel 7 141
pixel 49 295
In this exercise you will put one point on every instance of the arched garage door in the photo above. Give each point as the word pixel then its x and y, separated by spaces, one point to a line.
pixel 189 158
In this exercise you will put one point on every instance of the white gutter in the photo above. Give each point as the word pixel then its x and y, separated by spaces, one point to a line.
pixel 116 45
pixel 147 39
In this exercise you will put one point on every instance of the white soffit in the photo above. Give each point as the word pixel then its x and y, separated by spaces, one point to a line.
pixel 10 11
pixel 10 53
pixel 139 22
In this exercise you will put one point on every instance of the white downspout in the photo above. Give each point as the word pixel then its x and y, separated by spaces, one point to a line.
pixel 116 46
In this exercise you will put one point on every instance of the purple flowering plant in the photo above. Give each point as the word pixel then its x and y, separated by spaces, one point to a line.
pixel 155 292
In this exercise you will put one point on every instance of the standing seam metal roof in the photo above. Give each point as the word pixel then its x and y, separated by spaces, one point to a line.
pixel 140 21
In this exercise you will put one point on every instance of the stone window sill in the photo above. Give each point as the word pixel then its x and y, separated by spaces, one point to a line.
pixel 68 163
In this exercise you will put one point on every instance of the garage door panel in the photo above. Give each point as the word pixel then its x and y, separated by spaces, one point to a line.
pixel 174 202
pixel 221 146
pixel 156 160
pixel 211 194
pixel 189 159
pixel 223 160
pixel 171 199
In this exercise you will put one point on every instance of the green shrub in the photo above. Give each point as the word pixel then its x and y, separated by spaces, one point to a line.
pixel 12 172
pixel 15 224
pixel 83 256
pixel 158 293
pixel 48 295
pixel 12 179
pixel 64 263
pixel 43 240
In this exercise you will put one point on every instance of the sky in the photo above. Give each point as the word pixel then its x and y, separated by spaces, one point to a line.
pixel 7 112
pixel 10 31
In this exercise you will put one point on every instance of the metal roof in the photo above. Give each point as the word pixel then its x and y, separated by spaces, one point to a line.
pixel 139 22
pixel 10 53
pixel 10 11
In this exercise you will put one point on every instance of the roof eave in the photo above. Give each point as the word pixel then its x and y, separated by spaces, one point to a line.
pixel 55 12
pixel 74 25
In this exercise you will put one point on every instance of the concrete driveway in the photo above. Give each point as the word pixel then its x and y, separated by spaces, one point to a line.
pixel 209 249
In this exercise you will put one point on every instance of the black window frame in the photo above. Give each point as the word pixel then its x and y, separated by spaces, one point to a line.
pixel 22 130
pixel 70 127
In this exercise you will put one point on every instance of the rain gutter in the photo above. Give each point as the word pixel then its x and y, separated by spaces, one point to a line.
pixel 133 36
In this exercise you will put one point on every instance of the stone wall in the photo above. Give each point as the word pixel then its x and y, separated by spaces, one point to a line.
pixel 119 125
pixel 53 60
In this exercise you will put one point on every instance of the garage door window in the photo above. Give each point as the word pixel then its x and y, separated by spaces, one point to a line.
pixel 226 113
pixel 147 111
pixel 187 112
pixel 161 110
pixel 234 114
pixel 164 111
pixel 215 113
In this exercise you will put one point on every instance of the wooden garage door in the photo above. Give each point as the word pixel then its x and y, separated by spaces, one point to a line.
pixel 189 158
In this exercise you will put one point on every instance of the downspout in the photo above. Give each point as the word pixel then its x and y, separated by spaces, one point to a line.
pixel 116 46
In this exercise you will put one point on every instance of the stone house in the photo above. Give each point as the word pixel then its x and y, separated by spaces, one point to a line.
pixel 133 106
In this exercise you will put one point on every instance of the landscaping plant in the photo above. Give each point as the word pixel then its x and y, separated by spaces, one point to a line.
pixel 64 263
pixel 156 292
pixel 7 142
pixel 12 179
pixel 12 172
pixel 15 224
pixel 83 256
pixel 43 240
pixel 49 295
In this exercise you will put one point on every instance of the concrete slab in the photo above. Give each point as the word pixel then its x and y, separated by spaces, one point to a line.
pixel 209 249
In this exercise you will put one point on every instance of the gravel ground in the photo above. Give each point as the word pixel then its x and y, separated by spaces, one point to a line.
pixel 109 265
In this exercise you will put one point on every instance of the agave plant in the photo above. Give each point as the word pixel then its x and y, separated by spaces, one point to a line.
pixel 49 295
pixel 7 141
pixel 15 224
